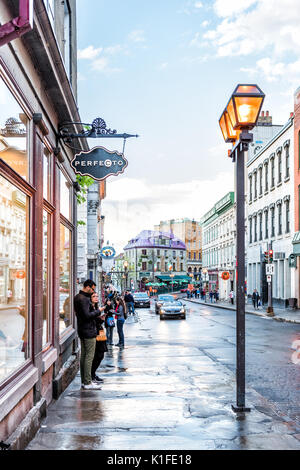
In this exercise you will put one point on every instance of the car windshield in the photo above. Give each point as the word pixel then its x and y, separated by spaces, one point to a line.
pixel 141 296
pixel 166 298
pixel 172 304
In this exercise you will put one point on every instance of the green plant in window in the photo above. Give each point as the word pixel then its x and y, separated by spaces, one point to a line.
pixel 84 182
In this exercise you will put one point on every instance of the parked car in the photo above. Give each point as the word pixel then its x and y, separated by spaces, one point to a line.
pixel 141 299
pixel 183 290
pixel 161 299
pixel 173 309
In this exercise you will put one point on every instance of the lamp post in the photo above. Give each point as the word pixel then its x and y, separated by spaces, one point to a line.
pixel 239 117
pixel 125 265
pixel 172 276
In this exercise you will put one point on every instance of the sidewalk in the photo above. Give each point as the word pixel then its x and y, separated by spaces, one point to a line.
pixel 170 399
pixel 283 315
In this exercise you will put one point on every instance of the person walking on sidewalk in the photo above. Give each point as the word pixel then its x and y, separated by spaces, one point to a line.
pixel 129 300
pixel 109 322
pixel 87 331
pixel 101 346
pixel 121 317
pixel 231 296
pixel 211 294
pixel 255 299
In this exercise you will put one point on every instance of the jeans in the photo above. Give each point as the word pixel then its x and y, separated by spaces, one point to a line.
pixel 120 324
pixel 130 306
pixel 88 347
pixel 98 357
pixel 110 334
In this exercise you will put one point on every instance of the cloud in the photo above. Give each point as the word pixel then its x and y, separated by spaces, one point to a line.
pixel 252 26
pixel 89 53
pixel 273 70
pixel 198 4
pixel 137 36
pixel 133 204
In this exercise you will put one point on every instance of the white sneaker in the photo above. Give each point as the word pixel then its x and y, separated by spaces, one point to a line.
pixel 91 386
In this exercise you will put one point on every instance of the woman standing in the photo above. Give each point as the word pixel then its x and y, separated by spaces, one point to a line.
pixel 121 316
pixel 101 346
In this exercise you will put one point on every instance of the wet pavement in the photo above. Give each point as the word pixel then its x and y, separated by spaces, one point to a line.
pixel 173 385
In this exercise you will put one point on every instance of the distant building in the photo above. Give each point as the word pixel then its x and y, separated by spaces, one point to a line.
pixel 270 214
pixel 190 232
pixel 263 132
pixel 154 256
pixel 219 245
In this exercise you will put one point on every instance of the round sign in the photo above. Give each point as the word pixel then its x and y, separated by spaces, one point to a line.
pixel 20 274
pixel 225 276
pixel 108 252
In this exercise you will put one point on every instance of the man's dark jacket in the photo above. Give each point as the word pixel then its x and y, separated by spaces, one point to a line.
pixel 128 298
pixel 86 316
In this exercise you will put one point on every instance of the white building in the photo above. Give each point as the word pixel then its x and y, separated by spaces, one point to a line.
pixel 219 245
pixel 270 213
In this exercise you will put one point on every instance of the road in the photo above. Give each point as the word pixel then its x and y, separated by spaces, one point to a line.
pixel 173 385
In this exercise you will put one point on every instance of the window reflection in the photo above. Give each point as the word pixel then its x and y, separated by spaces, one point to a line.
pixel 46 319
pixel 14 346
pixel 64 196
pixel 64 278
pixel 13 132
pixel 46 173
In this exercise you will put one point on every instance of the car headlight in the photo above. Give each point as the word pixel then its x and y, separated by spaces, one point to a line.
pixel 162 311
pixel 182 310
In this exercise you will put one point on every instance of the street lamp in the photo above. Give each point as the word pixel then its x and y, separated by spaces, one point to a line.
pixel 125 265
pixel 238 118
pixel 172 276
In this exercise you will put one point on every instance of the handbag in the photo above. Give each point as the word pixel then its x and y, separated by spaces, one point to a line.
pixel 111 322
pixel 101 336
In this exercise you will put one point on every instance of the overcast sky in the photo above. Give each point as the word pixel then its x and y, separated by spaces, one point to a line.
pixel 165 70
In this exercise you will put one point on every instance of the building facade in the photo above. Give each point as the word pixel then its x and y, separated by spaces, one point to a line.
pixel 263 132
pixel 270 215
pixel 155 256
pixel 38 340
pixel 219 246
pixel 190 232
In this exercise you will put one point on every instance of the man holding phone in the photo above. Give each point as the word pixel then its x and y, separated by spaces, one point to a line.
pixel 87 331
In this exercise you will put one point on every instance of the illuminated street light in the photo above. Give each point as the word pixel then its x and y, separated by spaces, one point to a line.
pixel 240 116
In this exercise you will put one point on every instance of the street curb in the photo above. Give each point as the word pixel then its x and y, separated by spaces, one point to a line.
pixel 262 315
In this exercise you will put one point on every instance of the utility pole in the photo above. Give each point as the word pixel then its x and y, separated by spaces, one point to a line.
pixel 270 311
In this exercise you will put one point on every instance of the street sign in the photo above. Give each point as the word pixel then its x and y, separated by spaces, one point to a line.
pixel 108 252
pixel 270 269
pixel 99 163
pixel 269 278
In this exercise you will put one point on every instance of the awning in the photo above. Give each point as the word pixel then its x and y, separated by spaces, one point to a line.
pixel 177 277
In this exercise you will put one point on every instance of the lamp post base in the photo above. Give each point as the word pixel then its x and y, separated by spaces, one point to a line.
pixel 240 409
pixel 270 312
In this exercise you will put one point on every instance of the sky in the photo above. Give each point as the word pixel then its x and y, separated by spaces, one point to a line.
pixel 165 70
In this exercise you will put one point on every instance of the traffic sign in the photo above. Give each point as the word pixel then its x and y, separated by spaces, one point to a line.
pixel 270 269
pixel 269 278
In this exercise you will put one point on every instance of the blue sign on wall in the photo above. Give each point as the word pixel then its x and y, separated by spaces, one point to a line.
pixel 108 252
pixel 99 163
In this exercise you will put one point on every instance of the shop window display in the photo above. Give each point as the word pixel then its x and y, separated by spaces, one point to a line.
pixel 65 310
pixel 13 133
pixel 14 340
pixel 46 296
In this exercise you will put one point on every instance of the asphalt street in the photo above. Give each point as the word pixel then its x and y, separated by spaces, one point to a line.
pixel 173 385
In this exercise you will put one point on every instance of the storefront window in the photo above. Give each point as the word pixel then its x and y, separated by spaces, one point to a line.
pixel 14 343
pixel 46 293
pixel 65 279
pixel 64 196
pixel 46 174
pixel 13 133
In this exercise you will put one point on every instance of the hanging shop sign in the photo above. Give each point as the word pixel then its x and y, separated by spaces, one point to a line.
pixel 108 252
pixel 99 163
pixel 225 276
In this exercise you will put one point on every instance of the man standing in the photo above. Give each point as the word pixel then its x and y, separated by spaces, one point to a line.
pixel 129 300
pixel 255 299
pixel 87 332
